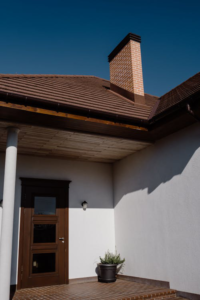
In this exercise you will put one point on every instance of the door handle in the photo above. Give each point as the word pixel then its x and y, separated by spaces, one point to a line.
pixel 61 238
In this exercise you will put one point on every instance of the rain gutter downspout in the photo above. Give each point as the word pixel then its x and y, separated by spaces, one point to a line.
pixel 191 112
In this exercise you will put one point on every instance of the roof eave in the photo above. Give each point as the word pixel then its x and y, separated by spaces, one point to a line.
pixel 192 99
pixel 59 107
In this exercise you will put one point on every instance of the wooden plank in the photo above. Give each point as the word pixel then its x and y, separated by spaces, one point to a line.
pixel 67 144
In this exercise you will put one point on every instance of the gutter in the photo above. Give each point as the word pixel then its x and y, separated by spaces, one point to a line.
pixel 105 116
pixel 57 107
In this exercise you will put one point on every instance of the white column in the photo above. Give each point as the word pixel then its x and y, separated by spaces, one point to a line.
pixel 8 213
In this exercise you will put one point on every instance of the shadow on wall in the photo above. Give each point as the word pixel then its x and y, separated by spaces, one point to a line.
pixel 156 164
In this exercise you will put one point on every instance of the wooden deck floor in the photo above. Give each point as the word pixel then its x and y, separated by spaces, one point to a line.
pixel 119 290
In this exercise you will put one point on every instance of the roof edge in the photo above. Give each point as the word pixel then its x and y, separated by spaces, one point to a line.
pixel 57 107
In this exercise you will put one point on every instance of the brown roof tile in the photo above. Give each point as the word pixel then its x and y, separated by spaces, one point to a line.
pixel 78 91
pixel 90 92
pixel 178 94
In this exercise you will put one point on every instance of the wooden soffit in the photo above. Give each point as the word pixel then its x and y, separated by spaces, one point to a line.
pixel 62 144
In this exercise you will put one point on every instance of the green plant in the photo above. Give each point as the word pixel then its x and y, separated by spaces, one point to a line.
pixel 111 258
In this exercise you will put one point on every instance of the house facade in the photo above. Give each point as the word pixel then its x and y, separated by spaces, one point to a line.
pixel 134 158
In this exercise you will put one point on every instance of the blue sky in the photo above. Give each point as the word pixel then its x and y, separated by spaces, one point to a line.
pixel 75 37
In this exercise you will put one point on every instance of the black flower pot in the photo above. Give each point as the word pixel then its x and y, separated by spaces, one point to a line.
pixel 107 273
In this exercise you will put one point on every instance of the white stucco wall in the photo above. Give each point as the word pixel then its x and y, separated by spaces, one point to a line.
pixel 157 211
pixel 157 205
pixel 91 232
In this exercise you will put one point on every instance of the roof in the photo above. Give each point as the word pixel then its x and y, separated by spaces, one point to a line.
pixel 179 94
pixel 94 94
pixel 88 92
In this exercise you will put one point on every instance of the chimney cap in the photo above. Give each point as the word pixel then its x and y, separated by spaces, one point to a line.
pixel 130 36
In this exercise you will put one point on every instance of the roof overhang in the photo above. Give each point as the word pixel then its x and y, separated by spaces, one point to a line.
pixel 114 134
pixel 70 109
pixel 41 113
pixel 41 117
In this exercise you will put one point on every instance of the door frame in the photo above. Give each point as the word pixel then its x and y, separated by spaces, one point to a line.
pixel 35 182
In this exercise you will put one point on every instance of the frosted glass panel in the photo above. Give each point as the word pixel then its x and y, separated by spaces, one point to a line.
pixel 45 205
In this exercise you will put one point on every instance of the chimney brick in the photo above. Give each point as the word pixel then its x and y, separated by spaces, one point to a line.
pixel 126 65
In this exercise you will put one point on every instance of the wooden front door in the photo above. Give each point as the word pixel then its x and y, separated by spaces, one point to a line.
pixel 43 257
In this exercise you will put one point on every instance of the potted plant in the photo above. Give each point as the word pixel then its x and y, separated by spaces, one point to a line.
pixel 108 267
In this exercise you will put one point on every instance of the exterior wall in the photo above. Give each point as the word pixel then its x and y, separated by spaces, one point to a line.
pixel 91 232
pixel 157 211
pixel 126 69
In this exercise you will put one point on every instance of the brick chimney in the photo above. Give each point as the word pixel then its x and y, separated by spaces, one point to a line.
pixel 126 68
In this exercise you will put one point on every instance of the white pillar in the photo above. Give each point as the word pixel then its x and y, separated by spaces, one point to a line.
pixel 8 213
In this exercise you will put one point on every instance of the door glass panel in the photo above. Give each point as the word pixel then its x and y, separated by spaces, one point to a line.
pixel 44 205
pixel 44 233
pixel 44 263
